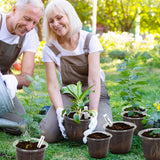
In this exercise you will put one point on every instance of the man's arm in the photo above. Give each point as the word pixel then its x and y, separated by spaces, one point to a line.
pixel 27 68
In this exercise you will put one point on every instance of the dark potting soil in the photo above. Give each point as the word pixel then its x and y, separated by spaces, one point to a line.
pixel 120 126
pixel 71 116
pixel 27 145
pixel 98 135
pixel 151 135
pixel 135 115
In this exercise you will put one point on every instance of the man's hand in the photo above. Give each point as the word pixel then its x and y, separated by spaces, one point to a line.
pixel 11 84
pixel 60 121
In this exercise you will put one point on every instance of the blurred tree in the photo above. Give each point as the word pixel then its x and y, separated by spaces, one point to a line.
pixel 112 15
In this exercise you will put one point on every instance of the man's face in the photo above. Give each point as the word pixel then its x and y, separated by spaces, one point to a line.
pixel 25 19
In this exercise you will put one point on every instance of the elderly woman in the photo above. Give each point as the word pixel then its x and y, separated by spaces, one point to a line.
pixel 76 55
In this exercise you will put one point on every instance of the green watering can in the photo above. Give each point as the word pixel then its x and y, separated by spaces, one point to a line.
pixel 7 123
pixel 6 102
pixel 7 105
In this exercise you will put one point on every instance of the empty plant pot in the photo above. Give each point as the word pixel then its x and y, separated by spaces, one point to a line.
pixel 150 144
pixel 98 144
pixel 122 134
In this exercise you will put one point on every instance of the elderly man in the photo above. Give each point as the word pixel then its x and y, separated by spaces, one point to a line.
pixel 17 37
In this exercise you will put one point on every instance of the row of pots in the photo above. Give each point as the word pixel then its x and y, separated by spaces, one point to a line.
pixel 118 141
pixel 117 138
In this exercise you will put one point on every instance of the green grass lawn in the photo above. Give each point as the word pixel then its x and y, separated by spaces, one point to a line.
pixel 68 150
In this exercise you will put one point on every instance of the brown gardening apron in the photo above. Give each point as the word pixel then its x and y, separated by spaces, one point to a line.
pixel 75 68
pixel 8 55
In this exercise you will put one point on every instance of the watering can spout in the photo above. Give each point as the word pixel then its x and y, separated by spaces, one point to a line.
pixel 7 123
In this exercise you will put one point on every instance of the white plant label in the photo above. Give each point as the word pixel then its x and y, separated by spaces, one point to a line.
pixel 107 119
pixel 41 140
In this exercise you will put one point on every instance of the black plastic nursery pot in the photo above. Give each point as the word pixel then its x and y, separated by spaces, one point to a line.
pixel 24 154
pixel 122 134
pixel 74 131
pixel 150 144
pixel 98 144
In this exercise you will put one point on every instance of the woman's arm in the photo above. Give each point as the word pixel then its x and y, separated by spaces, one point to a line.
pixel 53 84
pixel 94 79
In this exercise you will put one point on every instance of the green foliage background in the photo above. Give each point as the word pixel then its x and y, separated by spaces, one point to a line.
pixel 112 15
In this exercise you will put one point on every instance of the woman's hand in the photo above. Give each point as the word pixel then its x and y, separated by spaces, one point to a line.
pixel 91 127
pixel 60 121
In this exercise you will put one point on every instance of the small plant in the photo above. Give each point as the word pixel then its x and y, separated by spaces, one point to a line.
pixel 80 100
pixel 130 73
pixel 32 100
pixel 155 117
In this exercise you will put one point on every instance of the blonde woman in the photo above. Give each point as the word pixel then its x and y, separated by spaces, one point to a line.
pixel 76 55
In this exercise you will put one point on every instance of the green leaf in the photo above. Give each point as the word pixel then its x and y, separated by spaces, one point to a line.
pixel 29 78
pixel 76 118
pixel 140 83
pixel 70 89
pixel 79 88
pixel 86 92
pixel 27 118
pixel 130 113
pixel 27 90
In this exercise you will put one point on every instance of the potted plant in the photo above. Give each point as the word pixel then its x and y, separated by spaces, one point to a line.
pixel 135 118
pixel 151 137
pixel 130 73
pixel 122 134
pixel 28 147
pixel 76 116
pixel 98 144
pixel 132 112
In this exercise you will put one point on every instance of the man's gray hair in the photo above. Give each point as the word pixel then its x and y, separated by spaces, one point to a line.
pixel 35 3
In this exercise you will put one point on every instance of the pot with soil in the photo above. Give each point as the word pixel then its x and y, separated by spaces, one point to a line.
pixel 28 150
pixel 151 143
pixel 136 118
pixel 122 134
pixel 77 116
pixel 74 130
pixel 98 144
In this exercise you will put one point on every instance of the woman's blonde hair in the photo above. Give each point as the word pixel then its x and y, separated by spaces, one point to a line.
pixel 68 9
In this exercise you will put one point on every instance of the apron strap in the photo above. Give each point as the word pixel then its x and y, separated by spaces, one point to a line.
pixel 54 49
pixel 86 44
pixel 21 39
pixel 0 20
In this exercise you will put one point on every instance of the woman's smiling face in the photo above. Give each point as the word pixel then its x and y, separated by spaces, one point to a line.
pixel 59 22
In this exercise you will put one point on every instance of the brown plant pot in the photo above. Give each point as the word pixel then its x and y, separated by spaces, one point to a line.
pixel 130 108
pixel 98 144
pixel 74 131
pixel 37 154
pixel 151 145
pixel 135 120
pixel 122 134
